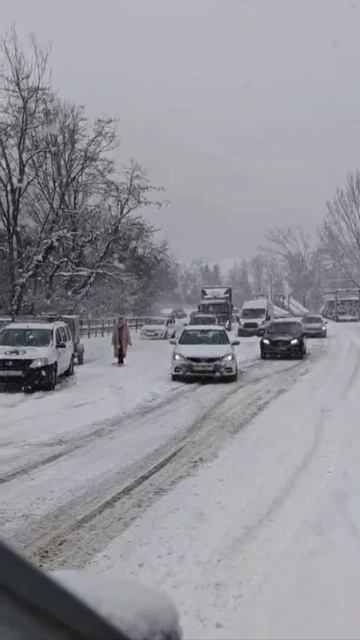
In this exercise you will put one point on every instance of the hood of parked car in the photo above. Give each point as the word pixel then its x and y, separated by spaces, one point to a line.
pixel 20 353
pixel 203 350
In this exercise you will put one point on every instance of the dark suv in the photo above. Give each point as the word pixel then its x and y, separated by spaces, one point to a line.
pixel 283 338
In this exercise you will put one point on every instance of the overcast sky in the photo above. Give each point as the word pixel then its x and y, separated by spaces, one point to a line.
pixel 246 111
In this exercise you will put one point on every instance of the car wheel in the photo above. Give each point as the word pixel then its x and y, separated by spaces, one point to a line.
pixel 175 378
pixel 70 371
pixel 52 378
pixel 28 388
pixel 233 378
pixel 263 355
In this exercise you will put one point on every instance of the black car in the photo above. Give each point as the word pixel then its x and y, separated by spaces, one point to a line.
pixel 283 338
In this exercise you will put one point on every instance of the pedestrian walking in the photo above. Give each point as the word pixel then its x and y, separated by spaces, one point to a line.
pixel 121 339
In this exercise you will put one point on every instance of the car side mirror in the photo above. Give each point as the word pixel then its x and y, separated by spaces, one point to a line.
pixel 235 343
pixel 173 341
pixel 38 605
pixel 61 345
pixel 260 333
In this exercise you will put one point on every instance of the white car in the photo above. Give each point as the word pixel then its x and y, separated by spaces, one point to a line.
pixel 34 354
pixel 158 328
pixel 204 351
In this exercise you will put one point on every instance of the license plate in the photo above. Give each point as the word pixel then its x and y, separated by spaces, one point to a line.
pixel 10 374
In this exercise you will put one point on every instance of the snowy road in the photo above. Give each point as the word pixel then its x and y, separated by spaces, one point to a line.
pixel 241 500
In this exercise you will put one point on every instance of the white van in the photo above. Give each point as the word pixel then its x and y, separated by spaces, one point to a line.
pixel 255 315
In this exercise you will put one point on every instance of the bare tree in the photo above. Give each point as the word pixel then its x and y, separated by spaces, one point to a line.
pixel 258 271
pixel 340 232
pixel 239 279
pixel 65 207
pixel 24 103
pixel 291 245
pixel 275 276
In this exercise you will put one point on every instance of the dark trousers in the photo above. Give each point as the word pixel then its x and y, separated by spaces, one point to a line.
pixel 120 355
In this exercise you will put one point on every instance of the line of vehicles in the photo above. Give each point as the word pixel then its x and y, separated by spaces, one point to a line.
pixel 34 352
pixel 215 307
pixel 208 350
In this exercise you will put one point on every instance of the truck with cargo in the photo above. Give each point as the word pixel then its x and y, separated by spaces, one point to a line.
pixel 342 305
pixel 217 301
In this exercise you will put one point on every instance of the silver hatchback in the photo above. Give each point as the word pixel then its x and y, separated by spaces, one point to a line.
pixel 315 326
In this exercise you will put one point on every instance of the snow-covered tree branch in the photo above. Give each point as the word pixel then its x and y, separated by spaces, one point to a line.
pixel 66 207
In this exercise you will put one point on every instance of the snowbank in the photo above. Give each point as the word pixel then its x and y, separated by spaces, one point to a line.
pixel 280 313
pixel 297 308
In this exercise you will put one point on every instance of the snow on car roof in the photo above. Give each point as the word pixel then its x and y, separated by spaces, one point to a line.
pixel 286 320
pixel 206 327
pixel 33 325
pixel 258 303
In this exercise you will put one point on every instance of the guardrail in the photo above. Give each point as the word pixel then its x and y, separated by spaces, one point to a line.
pixel 100 327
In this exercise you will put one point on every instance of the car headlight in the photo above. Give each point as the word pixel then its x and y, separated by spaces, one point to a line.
pixel 324 327
pixel 228 357
pixel 39 362
pixel 294 341
pixel 266 341
pixel 178 356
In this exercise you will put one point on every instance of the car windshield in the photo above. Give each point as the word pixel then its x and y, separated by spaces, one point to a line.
pixel 26 337
pixel 312 320
pixel 252 313
pixel 284 328
pixel 204 336
pixel 159 321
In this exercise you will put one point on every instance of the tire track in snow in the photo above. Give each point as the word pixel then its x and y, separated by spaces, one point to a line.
pixel 98 430
pixel 105 428
pixel 92 527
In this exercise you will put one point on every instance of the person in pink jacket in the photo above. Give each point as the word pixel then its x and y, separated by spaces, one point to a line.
pixel 121 339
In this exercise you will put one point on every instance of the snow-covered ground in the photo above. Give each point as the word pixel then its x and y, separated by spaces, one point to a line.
pixel 99 395
pixel 241 501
